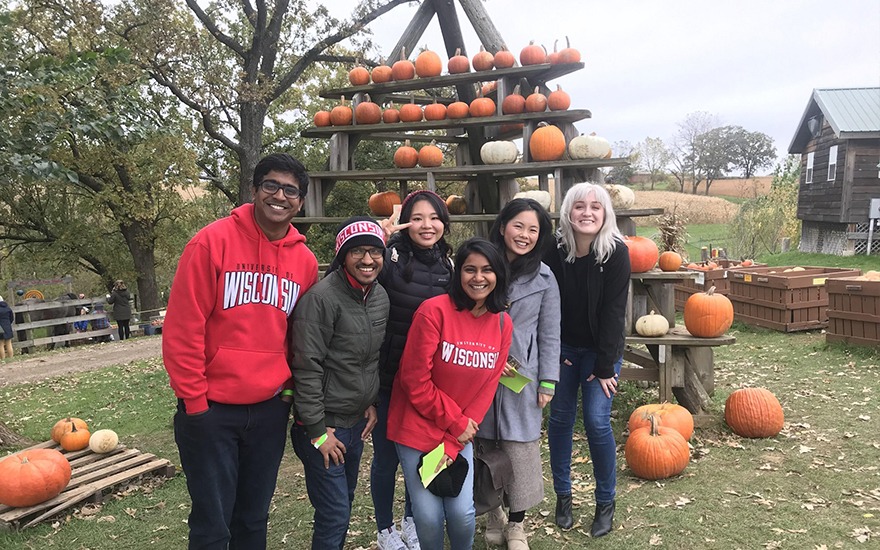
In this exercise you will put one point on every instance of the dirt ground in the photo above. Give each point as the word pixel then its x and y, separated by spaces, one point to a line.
pixel 39 366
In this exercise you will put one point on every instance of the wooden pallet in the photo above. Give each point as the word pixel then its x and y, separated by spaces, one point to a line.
pixel 91 475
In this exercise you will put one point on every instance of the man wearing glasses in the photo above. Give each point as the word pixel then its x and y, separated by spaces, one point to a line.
pixel 225 347
pixel 337 331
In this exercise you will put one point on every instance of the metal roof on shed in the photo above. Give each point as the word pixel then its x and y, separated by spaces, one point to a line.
pixel 852 113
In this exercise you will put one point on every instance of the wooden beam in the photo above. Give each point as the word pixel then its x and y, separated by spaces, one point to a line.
pixel 413 32
pixel 483 26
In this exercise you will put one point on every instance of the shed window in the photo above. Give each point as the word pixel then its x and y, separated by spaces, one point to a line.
pixel 832 163
pixel 810 167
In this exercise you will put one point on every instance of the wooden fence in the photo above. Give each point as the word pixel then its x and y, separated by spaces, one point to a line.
pixel 24 331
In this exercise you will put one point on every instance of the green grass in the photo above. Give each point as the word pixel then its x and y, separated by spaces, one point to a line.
pixel 815 485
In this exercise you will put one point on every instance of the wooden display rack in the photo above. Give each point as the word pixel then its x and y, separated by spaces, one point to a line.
pixel 92 474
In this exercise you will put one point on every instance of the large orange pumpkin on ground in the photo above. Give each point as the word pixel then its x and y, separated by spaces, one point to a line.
pixel 382 203
pixel 643 253
pixel 33 476
pixel 669 415
pixel 656 452
pixel 753 412
pixel 708 315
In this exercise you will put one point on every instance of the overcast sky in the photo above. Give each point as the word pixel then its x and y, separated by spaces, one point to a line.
pixel 751 63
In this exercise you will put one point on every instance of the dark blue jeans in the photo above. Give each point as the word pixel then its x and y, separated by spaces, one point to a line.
pixel 597 423
pixel 230 455
pixel 383 470
pixel 331 490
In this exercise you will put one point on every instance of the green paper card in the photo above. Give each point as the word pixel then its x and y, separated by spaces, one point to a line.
pixel 429 464
pixel 515 383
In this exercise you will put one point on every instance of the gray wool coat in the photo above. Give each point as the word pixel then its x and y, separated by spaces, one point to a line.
pixel 535 310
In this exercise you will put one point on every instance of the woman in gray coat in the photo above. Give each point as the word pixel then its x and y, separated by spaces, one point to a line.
pixel 523 231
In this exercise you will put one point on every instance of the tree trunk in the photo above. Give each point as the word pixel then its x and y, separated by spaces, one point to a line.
pixel 253 117
pixel 140 237
pixel 10 439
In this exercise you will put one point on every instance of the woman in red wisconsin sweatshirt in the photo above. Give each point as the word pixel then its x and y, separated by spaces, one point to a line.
pixel 454 355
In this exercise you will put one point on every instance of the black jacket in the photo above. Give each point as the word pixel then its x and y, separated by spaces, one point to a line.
pixel 606 295
pixel 121 301
pixel 430 276
pixel 6 320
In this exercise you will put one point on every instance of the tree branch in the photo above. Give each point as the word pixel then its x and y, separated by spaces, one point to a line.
pixel 214 30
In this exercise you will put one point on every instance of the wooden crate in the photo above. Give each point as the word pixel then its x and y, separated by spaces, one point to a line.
pixel 786 301
pixel 91 475
pixel 705 280
pixel 853 311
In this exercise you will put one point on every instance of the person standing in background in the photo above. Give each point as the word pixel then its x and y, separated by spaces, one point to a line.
pixel 225 346
pixel 120 299
pixel 7 318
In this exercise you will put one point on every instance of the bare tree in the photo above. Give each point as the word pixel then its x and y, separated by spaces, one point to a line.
pixel 653 158
pixel 687 148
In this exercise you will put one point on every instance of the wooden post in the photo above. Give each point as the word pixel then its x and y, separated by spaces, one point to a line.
pixel 483 26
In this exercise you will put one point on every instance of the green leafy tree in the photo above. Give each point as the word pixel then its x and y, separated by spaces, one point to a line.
pixel 750 151
pixel 713 157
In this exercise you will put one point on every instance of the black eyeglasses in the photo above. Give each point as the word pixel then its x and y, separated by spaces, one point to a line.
pixel 272 187
pixel 359 253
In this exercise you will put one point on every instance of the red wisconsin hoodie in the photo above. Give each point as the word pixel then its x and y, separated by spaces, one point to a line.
pixel 225 332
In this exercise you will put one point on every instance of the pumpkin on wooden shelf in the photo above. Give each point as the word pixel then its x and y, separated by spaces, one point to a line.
pixel 536 102
pixel 499 152
pixel 381 73
pixel 403 68
pixel 458 63
pixel 406 156
pixel 322 119
pixel 430 156
pixel 435 111
pixel 410 112
pixel 483 60
pixel 656 452
pixel 541 197
pixel 707 314
pixel 669 261
pixel 532 55
pixel 558 100
pixel 670 415
pixel 367 112
pixel 341 115
pixel 513 104
pixel 457 110
pixel 428 64
pixel 553 57
pixel 32 476
pixel 504 58
pixel 547 143
pixel 65 425
pixel 622 197
pixel 391 115
pixel 643 253
pixel 359 76
pixel 588 147
pixel 568 54
pixel 488 88
pixel 76 439
pixel 456 205
pixel 652 325
pixel 754 412
pixel 103 441
pixel 382 203
pixel 482 107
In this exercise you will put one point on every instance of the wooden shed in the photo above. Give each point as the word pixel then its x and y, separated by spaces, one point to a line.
pixel 838 139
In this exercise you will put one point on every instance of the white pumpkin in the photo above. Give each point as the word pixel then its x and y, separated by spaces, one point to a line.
pixel 103 441
pixel 542 197
pixel 499 152
pixel 652 325
pixel 622 197
pixel 589 147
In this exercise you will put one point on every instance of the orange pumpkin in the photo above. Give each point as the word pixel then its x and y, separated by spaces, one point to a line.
pixel 547 143
pixel 367 112
pixel 643 253
pixel 391 115
pixel 458 63
pixel 483 60
pixel 430 156
pixel 504 58
pixel 558 100
pixel 322 118
pixel 513 104
pixel 32 476
pixel 435 111
pixel 403 69
pixel 341 115
pixel 746 263
pixel 488 88
pixel 381 73
pixel 482 106
pixel 382 203
pixel 708 315
pixel 669 415
pixel 64 425
pixel 428 64
pixel 405 157
pixel 359 76
pixel 553 57
pixel 410 112
pixel 536 102
pixel 569 54
pixel 669 261
pixel 754 412
pixel 656 452
pixel 76 439
pixel 457 110
pixel 532 55
pixel 456 205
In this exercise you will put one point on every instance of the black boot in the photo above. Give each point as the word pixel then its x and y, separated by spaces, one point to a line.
pixel 563 511
pixel 602 520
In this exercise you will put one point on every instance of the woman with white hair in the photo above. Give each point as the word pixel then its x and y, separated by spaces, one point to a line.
pixel 591 265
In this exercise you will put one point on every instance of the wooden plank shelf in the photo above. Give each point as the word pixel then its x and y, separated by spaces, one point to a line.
pixel 536 74
pixel 91 475
pixel 569 116
pixel 475 217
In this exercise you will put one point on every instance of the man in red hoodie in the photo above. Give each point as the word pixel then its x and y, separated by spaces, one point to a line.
pixel 224 344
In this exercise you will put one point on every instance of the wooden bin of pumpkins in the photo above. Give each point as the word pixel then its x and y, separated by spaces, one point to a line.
pixel 708 274
pixel 854 309
pixel 511 102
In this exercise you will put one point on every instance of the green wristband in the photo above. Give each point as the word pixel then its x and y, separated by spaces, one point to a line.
pixel 317 444
pixel 548 385
pixel 286 393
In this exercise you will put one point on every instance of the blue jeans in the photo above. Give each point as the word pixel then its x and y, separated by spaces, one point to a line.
pixel 432 513
pixel 597 423
pixel 331 490
pixel 383 471
pixel 230 455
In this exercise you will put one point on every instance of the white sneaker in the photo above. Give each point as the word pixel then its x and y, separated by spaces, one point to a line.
pixel 409 535
pixel 496 520
pixel 389 539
